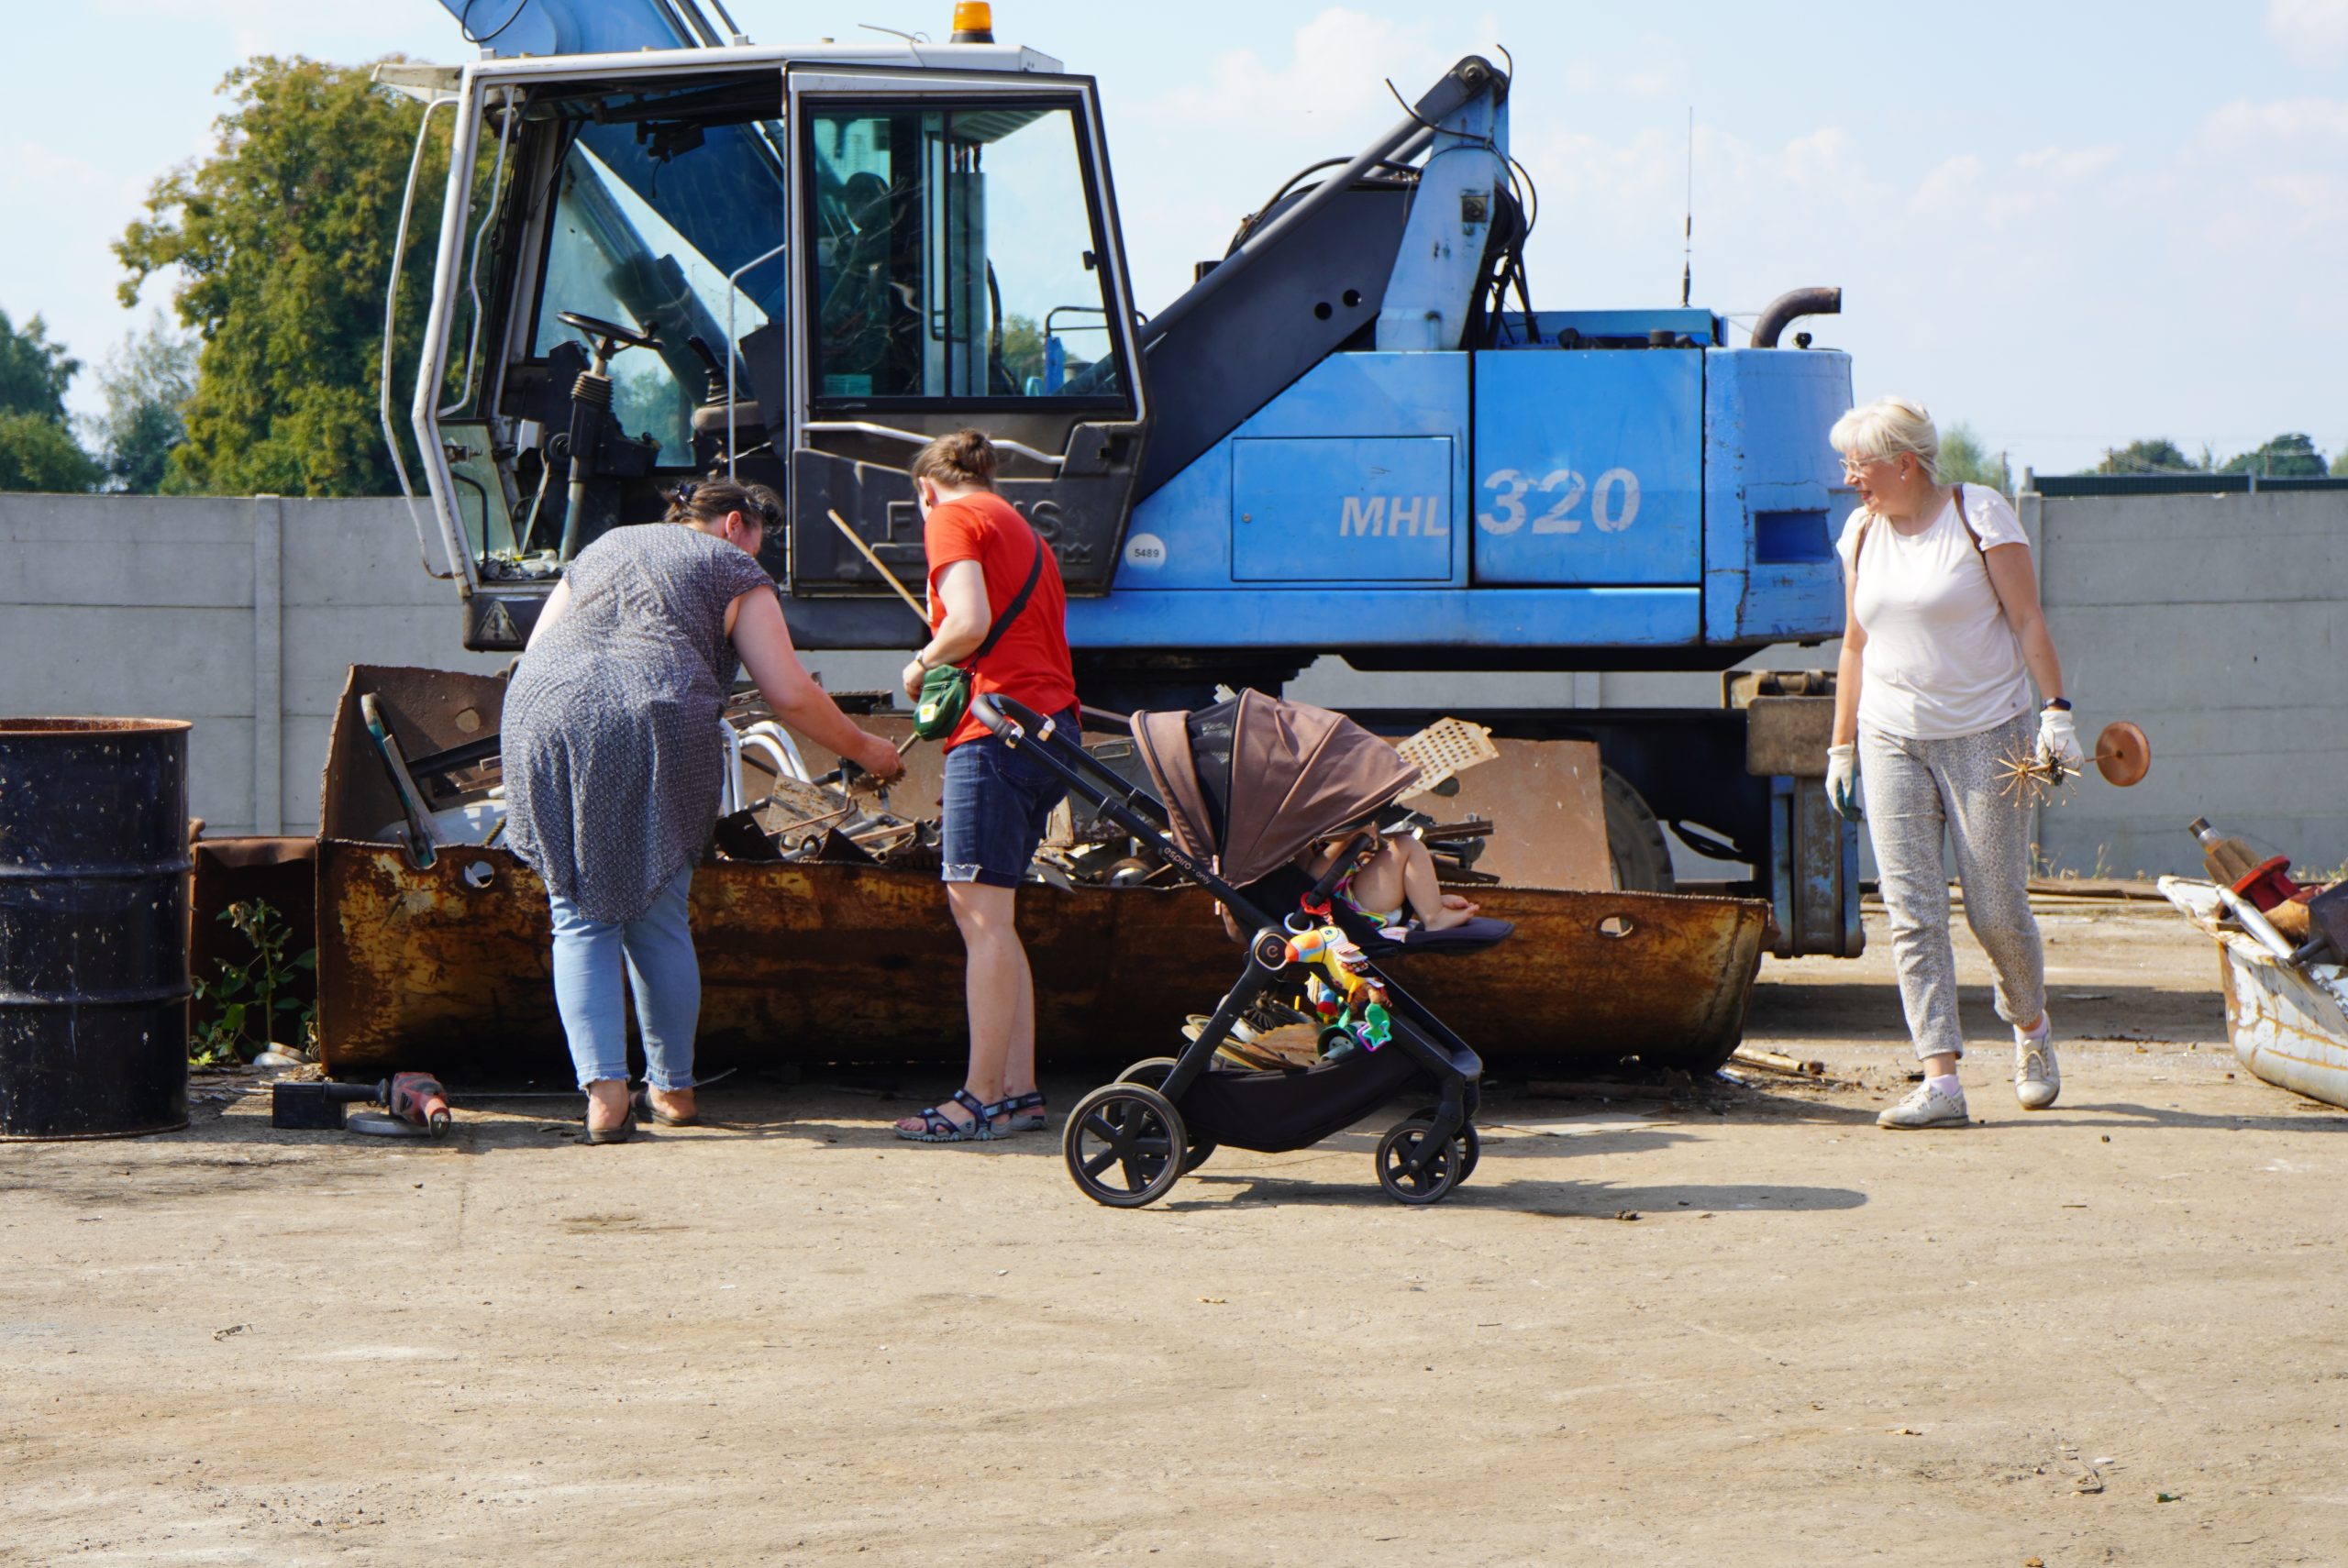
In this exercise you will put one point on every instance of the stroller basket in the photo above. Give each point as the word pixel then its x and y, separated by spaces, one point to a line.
pixel 1243 787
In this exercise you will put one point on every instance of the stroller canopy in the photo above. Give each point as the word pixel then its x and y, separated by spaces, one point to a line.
pixel 1250 782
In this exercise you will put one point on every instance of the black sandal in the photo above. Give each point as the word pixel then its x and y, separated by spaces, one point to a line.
pixel 939 1128
pixel 1026 1112
pixel 643 1108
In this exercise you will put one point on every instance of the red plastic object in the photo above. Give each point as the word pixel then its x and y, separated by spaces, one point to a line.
pixel 2267 884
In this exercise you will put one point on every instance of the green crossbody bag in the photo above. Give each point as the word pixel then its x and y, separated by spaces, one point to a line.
pixel 945 688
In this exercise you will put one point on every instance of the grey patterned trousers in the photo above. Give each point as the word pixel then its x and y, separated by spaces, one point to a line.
pixel 1916 791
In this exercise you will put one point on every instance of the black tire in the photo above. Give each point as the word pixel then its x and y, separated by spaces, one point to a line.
pixel 1152 1071
pixel 1470 1142
pixel 1433 1181
pixel 1634 840
pixel 1119 1144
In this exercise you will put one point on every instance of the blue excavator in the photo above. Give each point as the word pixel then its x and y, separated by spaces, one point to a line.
pixel 665 250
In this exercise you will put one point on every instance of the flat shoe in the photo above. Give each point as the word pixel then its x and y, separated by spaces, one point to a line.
pixel 643 1107
pixel 620 1133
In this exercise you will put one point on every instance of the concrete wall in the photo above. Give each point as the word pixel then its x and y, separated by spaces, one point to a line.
pixel 2212 621
pixel 2217 622
pixel 241 616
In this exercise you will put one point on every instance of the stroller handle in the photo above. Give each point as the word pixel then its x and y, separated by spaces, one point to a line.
pixel 1006 718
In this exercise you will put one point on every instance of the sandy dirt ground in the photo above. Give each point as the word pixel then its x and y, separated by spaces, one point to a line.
pixel 1752 1329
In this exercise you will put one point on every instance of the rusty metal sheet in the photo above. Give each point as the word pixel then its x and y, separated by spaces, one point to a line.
pixel 1546 801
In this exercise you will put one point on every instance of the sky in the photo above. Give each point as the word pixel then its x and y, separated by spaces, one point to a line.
pixel 2066 224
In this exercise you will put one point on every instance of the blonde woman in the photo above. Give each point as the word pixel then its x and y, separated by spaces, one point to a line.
pixel 1943 636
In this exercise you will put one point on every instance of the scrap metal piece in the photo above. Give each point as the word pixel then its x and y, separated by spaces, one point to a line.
pixel 1444 750
pixel 2288 1021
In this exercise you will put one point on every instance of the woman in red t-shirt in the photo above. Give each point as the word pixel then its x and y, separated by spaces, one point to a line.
pixel 982 555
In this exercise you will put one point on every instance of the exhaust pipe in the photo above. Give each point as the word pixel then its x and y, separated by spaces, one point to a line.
pixel 1789 307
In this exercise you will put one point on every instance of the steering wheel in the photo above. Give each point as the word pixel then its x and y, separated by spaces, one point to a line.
pixel 616 336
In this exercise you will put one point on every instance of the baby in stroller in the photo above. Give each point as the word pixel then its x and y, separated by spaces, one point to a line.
pixel 1396 878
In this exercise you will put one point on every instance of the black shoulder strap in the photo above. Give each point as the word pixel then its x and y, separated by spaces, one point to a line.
pixel 1011 614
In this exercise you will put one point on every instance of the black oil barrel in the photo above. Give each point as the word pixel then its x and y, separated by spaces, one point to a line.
pixel 93 889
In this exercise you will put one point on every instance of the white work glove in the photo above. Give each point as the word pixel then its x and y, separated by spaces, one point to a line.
pixel 2058 739
pixel 1843 779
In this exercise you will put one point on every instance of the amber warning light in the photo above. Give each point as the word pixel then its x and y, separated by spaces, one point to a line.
pixel 973 22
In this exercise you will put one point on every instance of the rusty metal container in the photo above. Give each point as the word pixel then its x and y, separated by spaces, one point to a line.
pixel 447 968
pixel 94 925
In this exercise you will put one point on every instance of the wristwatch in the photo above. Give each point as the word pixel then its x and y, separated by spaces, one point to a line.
pixel 2061 704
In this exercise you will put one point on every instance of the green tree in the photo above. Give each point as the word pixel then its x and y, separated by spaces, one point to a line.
pixel 2286 457
pixel 36 448
pixel 41 453
pixel 2157 456
pixel 281 238
pixel 33 370
pixel 1022 348
pixel 1963 460
pixel 148 382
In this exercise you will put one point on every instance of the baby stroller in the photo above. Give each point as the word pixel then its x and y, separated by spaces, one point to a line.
pixel 1242 788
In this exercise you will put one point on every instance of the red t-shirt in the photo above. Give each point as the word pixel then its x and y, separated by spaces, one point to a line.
pixel 1030 664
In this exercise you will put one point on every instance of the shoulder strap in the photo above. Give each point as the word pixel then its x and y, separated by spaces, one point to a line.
pixel 1011 614
pixel 1867 521
pixel 1970 531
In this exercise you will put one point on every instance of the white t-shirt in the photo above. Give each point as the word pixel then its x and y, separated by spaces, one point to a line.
pixel 1941 660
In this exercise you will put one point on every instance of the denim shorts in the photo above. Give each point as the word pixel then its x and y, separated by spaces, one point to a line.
pixel 998 803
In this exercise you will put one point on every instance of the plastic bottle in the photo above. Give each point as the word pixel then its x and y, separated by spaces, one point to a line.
pixel 2228 858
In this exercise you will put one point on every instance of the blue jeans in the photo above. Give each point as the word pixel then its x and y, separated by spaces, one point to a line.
pixel 998 803
pixel 656 951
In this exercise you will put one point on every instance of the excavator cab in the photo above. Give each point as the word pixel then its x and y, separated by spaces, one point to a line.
pixel 794 272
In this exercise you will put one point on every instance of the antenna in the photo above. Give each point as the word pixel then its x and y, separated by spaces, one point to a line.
pixel 1687 225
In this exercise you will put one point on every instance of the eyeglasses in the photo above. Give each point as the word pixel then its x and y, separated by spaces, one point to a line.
pixel 1856 467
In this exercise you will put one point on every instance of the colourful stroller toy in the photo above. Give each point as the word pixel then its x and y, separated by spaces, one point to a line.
pixel 1243 787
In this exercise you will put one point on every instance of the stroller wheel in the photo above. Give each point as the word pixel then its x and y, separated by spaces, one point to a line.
pixel 1152 1071
pixel 1469 1144
pixel 1433 1181
pixel 1121 1143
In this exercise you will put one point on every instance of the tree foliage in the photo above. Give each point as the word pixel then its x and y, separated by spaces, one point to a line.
pixel 37 451
pixel 281 242
pixel 1963 460
pixel 2158 455
pixel 2290 456
pixel 148 382
pixel 33 370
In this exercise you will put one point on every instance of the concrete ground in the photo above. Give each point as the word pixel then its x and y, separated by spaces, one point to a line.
pixel 1749 1330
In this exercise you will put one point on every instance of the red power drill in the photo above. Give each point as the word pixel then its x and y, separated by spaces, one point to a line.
pixel 418 1098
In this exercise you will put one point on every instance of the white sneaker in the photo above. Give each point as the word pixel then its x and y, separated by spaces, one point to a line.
pixel 2038 1076
pixel 1927 1107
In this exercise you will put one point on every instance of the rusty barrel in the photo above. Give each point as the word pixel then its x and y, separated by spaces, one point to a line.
pixel 94 891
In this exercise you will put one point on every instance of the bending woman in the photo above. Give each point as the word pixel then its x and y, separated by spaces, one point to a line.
pixel 613 771
pixel 1943 634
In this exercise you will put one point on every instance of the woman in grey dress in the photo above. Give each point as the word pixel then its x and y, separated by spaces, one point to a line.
pixel 613 763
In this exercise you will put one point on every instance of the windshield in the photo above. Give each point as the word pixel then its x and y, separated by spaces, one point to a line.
pixel 955 255
pixel 618 250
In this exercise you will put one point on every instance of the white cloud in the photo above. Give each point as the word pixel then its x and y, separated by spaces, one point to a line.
pixel 2241 122
pixel 2070 163
pixel 2317 28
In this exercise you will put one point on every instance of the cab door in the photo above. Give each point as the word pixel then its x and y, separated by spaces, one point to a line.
pixel 956 263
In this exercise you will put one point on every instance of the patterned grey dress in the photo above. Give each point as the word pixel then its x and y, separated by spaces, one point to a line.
pixel 613 758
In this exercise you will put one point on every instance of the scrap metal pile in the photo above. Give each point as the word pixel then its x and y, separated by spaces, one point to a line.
pixel 776 809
